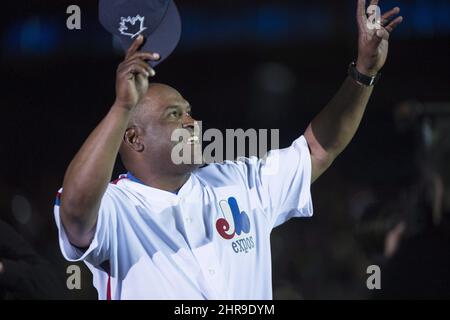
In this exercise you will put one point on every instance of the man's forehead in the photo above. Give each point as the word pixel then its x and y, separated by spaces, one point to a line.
pixel 161 96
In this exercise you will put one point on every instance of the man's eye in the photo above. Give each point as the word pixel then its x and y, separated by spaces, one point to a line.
pixel 173 114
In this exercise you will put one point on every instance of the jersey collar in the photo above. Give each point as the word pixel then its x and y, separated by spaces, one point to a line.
pixel 131 177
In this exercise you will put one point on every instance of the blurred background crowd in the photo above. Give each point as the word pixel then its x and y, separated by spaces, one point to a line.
pixel 245 64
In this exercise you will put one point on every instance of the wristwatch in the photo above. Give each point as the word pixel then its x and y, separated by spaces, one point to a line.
pixel 362 78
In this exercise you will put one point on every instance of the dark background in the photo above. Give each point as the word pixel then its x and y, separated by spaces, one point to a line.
pixel 241 64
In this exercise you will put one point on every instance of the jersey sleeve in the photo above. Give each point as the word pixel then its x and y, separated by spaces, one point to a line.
pixel 103 242
pixel 282 181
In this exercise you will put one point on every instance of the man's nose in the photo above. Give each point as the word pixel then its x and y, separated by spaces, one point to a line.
pixel 187 120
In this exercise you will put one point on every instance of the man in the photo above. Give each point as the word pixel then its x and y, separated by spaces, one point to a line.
pixel 166 231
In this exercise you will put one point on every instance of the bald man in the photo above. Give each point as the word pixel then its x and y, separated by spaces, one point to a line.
pixel 168 231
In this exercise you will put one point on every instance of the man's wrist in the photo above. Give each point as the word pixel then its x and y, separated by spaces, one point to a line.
pixel 366 71
pixel 368 80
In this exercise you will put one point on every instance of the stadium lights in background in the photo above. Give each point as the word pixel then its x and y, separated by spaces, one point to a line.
pixel 267 24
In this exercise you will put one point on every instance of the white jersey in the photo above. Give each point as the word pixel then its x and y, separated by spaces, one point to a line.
pixel 211 240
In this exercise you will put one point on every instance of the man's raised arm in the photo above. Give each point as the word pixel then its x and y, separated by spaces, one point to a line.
pixel 89 173
pixel 334 127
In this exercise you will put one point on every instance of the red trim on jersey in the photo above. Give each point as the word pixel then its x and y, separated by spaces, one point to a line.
pixel 108 288
pixel 117 180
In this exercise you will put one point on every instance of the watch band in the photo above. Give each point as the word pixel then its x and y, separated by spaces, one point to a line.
pixel 362 78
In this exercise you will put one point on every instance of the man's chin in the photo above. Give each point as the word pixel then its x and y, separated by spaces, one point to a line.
pixel 186 168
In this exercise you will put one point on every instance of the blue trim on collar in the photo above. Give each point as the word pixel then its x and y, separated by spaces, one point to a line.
pixel 134 179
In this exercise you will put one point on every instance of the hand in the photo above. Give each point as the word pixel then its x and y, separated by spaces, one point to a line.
pixel 1 267
pixel 132 75
pixel 373 44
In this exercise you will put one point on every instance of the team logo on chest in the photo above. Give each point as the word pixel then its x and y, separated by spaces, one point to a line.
pixel 234 223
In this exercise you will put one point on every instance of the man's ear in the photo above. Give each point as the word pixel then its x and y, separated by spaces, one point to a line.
pixel 132 138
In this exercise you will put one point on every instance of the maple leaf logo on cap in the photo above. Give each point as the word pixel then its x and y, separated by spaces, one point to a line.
pixel 128 24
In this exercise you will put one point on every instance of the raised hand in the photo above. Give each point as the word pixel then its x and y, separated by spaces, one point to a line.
pixel 373 44
pixel 132 75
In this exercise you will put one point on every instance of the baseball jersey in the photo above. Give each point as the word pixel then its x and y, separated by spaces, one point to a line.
pixel 210 240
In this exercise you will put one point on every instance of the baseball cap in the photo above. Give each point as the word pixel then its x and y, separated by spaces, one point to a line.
pixel 157 20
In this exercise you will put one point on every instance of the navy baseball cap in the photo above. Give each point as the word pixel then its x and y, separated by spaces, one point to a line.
pixel 157 20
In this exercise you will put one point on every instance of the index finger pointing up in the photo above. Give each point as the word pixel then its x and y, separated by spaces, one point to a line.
pixel 361 12
pixel 134 46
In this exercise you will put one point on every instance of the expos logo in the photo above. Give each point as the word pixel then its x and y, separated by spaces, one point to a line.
pixel 234 222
